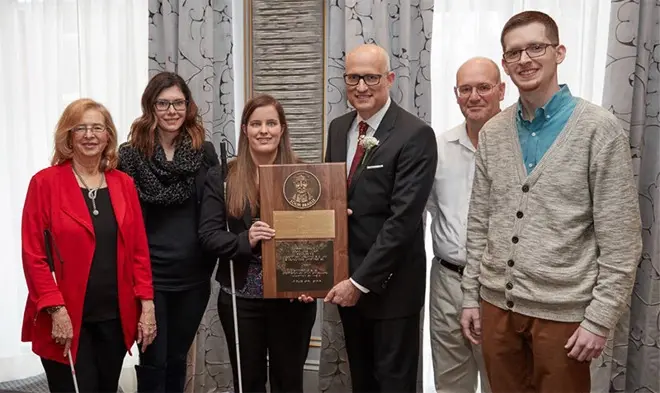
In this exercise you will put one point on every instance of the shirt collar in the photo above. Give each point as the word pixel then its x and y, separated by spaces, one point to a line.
pixel 552 107
pixel 374 121
pixel 459 134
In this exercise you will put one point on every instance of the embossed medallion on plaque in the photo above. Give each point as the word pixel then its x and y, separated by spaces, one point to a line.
pixel 306 205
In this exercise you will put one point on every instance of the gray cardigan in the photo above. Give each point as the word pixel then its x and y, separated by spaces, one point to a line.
pixel 563 242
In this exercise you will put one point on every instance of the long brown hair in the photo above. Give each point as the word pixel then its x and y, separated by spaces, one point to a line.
pixel 241 175
pixel 143 129
pixel 71 116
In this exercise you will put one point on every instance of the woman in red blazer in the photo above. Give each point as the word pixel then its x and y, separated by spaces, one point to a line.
pixel 102 301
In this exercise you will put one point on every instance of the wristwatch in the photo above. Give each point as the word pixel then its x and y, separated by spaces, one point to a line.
pixel 53 310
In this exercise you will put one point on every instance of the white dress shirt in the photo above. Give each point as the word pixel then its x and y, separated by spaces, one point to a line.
pixel 352 143
pixel 353 133
pixel 449 201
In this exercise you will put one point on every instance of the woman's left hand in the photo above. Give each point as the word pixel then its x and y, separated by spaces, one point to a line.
pixel 147 324
pixel 305 299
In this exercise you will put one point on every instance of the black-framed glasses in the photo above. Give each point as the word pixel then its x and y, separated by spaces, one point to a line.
pixel 464 91
pixel 95 128
pixel 164 105
pixel 533 50
pixel 369 79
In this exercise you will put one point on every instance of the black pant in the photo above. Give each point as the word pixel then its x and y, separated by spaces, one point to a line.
pixel 178 314
pixel 383 354
pixel 100 356
pixel 278 328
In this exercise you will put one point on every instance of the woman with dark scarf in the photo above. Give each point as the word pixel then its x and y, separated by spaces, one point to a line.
pixel 168 158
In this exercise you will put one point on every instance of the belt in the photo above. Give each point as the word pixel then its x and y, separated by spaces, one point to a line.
pixel 456 268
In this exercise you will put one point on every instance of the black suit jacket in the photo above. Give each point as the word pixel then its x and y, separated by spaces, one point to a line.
pixel 387 195
pixel 210 161
pixel 216 240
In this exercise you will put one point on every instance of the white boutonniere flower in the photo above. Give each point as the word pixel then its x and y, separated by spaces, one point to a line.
pixel 368 143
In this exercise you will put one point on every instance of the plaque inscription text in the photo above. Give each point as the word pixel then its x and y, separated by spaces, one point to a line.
pixel 306 263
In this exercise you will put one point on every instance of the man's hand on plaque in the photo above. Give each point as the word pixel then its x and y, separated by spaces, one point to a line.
pixel 344 294
pixel 260 231
pixel 350 212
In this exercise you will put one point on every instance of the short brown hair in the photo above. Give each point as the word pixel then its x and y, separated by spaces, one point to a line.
pixel 528 17
pixel 142 135
pixel 241 185
pixel 70 118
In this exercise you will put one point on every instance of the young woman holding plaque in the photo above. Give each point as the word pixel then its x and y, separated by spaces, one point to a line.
pixel 280 328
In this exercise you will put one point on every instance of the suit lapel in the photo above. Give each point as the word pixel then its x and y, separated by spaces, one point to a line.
pixel 72 201
pixel 382 133
pixel 116 190
pixel 340 148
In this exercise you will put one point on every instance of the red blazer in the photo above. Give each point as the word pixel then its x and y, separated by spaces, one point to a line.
pixel 54 201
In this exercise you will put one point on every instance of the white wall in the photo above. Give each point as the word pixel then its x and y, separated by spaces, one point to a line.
pixel 55 51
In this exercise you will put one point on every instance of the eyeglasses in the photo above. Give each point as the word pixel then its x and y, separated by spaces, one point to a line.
pixel 369 79
pixel 534 50
pixel 95 128
pixel 465 91
pixel 164 105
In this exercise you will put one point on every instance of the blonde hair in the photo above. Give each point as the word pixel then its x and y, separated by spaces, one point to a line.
pixel 71 117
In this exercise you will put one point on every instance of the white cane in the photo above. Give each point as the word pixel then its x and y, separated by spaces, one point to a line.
pixel 51 266
pixel 233 305
pixel 223 158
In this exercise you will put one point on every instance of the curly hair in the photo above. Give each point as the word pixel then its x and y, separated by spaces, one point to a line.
pixel 143 130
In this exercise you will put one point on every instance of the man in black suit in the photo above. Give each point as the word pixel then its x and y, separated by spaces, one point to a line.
pixel 388 185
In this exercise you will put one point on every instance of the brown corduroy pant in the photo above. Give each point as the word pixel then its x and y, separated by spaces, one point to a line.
pixel 527 355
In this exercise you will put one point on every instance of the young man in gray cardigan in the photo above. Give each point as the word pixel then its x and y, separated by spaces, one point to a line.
pixel 554 230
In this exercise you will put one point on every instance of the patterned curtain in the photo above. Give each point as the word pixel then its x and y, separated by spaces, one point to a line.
pixel 194 39
pixel 632 92
pixel 403 27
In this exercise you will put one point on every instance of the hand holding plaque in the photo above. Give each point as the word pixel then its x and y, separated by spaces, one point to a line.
pixel 305 204
pixel 259 231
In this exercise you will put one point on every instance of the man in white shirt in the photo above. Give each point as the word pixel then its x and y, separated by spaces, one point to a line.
pixel 456 362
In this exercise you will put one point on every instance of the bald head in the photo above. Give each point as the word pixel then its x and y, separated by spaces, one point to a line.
pixel 370 52
pixel 479 90
pixel 482 66
pixel 368 79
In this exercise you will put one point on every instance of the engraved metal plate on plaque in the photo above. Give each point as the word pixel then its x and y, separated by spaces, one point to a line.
pixel 302 189
pixel 304 224
pixel 304 265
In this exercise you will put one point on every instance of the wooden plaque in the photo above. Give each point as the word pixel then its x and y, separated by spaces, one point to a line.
pixel 306 205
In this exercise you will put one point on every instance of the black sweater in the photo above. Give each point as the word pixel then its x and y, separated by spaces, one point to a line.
pixel 177 259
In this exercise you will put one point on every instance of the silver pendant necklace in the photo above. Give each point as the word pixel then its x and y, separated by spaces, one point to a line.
pixel 91 192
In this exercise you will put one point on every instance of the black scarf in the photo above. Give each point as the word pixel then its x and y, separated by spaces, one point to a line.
pixel 157 180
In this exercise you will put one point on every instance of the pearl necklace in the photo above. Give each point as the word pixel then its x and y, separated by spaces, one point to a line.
pixel 91 193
